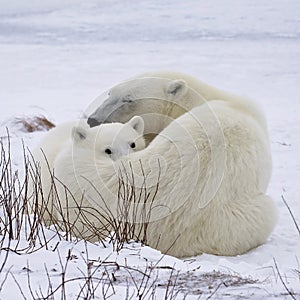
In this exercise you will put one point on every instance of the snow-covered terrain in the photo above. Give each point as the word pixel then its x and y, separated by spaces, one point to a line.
pixel 57 56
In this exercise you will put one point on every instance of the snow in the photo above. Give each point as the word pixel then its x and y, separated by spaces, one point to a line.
pixel 56 57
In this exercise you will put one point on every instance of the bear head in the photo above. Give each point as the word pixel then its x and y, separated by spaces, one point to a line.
pixel 153 98
pixel 110 141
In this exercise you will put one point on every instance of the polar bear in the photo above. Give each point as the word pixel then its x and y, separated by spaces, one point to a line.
pixel 212 166
pixel 160 97
pixel 210 160
pixel 73 142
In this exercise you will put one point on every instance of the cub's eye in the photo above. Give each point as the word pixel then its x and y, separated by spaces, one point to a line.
pixel 108 151
pixel 132 145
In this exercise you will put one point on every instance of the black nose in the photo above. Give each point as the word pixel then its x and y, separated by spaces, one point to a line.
pixel 93 122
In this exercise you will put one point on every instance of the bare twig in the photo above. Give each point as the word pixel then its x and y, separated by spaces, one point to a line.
pixel 282 281
pixel 290 211
pixel 18 285
pixel 215 291
pixel 5 278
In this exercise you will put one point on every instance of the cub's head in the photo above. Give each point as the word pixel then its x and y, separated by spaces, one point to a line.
pixel 111 140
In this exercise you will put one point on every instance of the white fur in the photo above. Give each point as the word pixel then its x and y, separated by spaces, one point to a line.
pixel 73 143
pixel 152 96
pixel 43 158
pixel 214 169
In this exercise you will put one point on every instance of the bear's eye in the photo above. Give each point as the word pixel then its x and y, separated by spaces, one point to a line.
pixel 127 99
pixel 108 151
pixel 132 145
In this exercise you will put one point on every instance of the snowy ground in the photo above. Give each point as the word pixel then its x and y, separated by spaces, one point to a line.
pixel 56 57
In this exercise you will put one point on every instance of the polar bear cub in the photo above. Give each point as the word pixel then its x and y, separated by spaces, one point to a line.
pixel 74 143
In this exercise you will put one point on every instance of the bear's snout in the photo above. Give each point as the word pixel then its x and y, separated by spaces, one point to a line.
pixel 93 122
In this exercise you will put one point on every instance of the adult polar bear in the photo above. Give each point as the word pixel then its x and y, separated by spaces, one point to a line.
pixel 161 97
pixel 214 169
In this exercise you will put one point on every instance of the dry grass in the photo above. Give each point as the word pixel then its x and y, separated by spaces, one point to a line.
pixel 99 280
pixel 291 214
pixel 289 291
pixel 16 221
pixel 33 123
pixel 131 222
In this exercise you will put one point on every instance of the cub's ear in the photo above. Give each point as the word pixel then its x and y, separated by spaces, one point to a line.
pixel 137 123
pixel 79 133
pixel 176 88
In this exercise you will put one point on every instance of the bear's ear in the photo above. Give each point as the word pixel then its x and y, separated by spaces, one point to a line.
pixel 79 134
pixel 137 123
pixel 176 88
